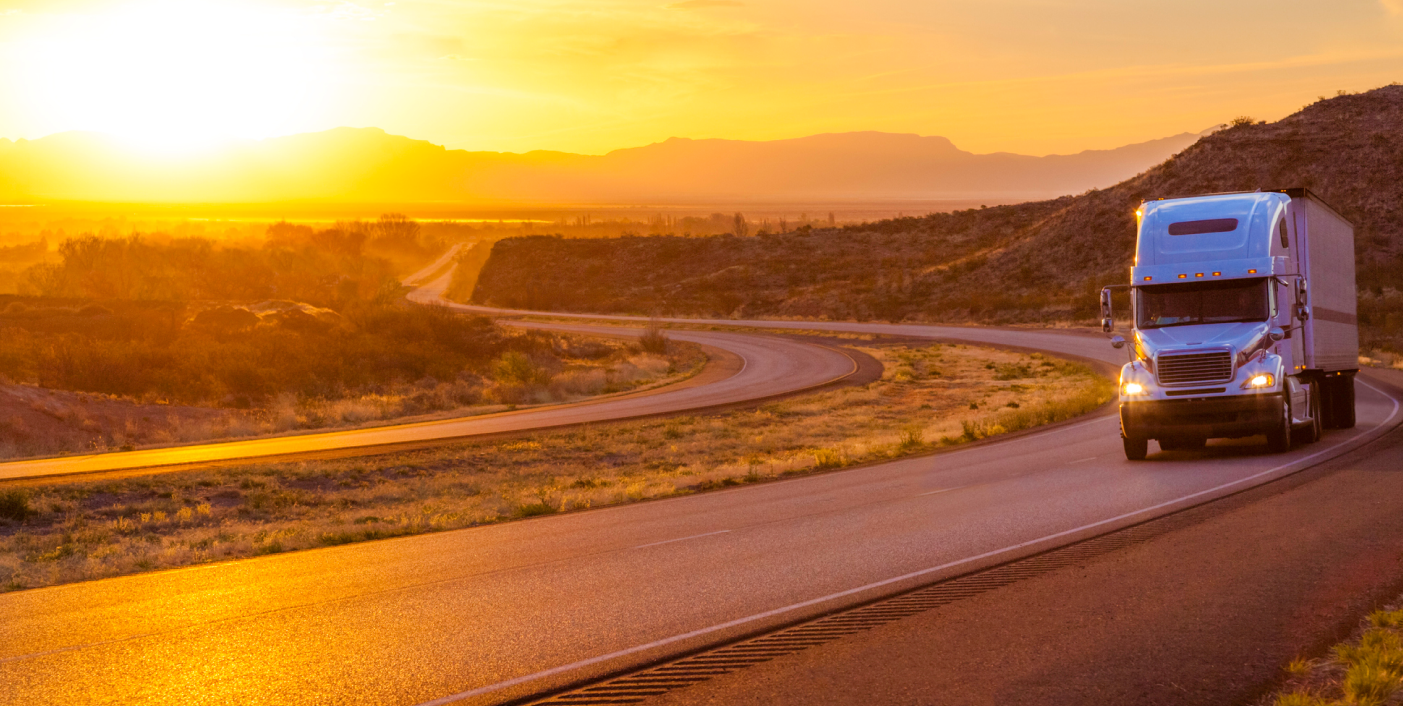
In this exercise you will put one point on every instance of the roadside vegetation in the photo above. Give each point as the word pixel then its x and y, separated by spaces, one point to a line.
pixel 1366 670
pixel 148 340
pixel 929 397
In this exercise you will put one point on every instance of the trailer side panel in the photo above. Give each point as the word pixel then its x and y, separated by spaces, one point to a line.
pixel 1332 331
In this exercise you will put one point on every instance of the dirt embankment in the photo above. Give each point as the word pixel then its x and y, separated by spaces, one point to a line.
pixel 35 421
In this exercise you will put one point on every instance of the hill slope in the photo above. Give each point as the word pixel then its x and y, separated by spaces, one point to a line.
pixel 1039 261
pixel 368 165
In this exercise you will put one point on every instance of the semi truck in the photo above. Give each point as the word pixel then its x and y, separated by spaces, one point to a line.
pixel 1243 322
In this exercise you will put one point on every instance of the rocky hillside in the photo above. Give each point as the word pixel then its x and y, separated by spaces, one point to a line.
pixel 1031 262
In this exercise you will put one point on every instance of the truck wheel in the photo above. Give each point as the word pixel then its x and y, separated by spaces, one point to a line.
pixel 1279 437
pixel 1136 447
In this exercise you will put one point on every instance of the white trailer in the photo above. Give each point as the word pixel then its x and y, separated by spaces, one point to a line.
pixel 1244 321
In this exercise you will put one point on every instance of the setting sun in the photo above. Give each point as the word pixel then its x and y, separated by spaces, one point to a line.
pixel 173 76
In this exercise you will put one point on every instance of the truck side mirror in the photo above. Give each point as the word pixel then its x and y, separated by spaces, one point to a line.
pixel 1276 334
pixel 1108 323
pixel 1302 312
pixel 1117 342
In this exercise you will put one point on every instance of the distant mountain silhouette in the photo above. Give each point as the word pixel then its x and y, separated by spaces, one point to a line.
pixel 368 165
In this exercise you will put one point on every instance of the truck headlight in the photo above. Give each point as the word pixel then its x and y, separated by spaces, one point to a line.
pixel 1132 388
pixel 1259 381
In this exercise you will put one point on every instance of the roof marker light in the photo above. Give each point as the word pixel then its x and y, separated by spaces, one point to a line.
pixel 1251 272
pixel 1147 278
pixel 1183 276
pixel 1217 274
pixel 1198 274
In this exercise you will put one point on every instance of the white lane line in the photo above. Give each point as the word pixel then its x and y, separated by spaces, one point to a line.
pixel 1083 460
pixel 897 579
pixel 942 490
pixel 682 539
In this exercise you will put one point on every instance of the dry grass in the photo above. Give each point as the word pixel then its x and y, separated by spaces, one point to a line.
pixel 928 397
pixel 1366 670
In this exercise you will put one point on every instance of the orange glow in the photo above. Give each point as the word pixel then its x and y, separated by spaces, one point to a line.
pixel 588 77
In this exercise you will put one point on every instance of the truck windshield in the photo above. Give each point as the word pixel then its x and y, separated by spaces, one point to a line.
pixel 1221 302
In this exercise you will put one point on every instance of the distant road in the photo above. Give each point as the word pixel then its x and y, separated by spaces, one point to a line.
pixel 1080 344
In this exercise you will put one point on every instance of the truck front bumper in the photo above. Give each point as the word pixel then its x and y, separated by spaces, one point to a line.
pixel 1207 417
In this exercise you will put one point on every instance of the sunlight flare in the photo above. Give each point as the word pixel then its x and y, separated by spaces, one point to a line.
pixel 172 77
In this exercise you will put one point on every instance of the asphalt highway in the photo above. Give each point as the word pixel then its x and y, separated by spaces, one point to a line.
pixel 495 613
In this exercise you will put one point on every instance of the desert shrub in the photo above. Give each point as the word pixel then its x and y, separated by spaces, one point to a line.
pixel 147 351
pixel 515 368
pixel 14 505
pixel 653 340
pixel 912 437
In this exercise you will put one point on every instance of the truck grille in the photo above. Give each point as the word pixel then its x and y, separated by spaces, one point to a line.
pixel 1193 368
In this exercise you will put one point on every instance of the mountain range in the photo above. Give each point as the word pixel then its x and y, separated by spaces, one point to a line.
pixel 367 165
pixel 1036 261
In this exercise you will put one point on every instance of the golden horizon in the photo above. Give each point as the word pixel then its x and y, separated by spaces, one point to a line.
pixel 173 78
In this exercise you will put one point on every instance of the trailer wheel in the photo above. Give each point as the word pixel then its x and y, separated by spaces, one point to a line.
pixel 1136 447
pixel 1279 437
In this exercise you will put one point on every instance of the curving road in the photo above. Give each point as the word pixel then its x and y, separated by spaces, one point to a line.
pixel 761 366
pixel 494 613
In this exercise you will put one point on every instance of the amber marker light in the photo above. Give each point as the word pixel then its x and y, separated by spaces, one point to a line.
pixel 1251 272
pixel 1183 276
pixel 1147 279
pixel 1217 274
pixel 1198 274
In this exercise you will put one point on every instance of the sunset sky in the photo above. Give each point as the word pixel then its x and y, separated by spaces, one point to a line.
pixel 1029 76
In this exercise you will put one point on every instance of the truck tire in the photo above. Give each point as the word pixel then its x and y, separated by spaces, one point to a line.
pixel 1136 447
pixel 1279 436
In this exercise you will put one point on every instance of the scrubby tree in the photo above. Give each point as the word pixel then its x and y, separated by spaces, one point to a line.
pixel 742 228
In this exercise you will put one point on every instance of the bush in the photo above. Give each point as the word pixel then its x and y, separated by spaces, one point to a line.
pixel 515 368
pixel 912 437
pixel 653 340
pixel 14 505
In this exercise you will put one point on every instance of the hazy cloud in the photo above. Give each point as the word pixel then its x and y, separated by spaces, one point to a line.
pixel 1394 7
pixel 700 4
